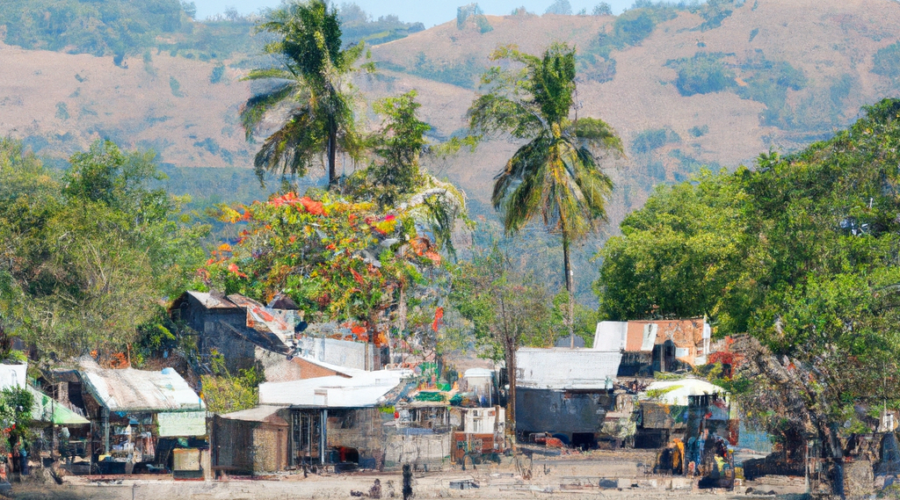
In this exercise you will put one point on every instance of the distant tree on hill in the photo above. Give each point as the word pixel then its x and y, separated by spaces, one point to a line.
pixel 556 174
pixel 561 7
pixel 602 9
pixel 313 82
pixel 352 13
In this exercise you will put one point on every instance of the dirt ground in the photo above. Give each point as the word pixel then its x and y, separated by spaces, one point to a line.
pixel 624 476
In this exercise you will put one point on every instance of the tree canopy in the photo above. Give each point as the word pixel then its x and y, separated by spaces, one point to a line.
pixel 800 253
pixel 85 258
pixel 556 174
pixel 311 83
pixel 337 259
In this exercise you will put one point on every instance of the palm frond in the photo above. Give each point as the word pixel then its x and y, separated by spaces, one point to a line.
pixel 270 73
pixel 290 150
pixel 597 133
pixel 253 111
pixel 517 190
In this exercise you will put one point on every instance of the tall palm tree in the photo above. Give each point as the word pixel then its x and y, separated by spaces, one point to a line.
pixel 556 173
pixel 311 85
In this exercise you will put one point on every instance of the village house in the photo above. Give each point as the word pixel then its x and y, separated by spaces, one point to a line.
pixel 650 346
pixel 253 441
pixel 272 337
pixel 144 422
pixel 565 392
pixel 369 420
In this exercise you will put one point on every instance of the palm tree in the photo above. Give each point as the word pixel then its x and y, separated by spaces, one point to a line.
pixel 556 173
pixel 311 86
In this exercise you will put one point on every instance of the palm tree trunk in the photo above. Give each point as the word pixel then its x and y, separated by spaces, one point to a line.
pixel 570 288
pixel 332 154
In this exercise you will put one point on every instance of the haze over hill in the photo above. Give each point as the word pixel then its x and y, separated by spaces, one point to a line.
pixel 707 84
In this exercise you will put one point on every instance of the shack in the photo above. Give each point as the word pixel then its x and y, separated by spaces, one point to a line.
pixel 565 392
pixel 251 441
pixel 245 332
pixel 479 433
pixel 140 418
pixel 363 421
pixel 655 345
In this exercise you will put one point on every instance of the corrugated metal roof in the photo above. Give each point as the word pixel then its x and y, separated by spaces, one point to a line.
pixel 362 390
pixel 676 392
pixel 265 413
pixel 210 301
pixel 611 336
pixel 138 390
pixel 682 332
pixel 46 409
pixel 558 368
pixel 340 370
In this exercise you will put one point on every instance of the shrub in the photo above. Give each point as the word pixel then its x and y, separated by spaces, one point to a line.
pixel 698 131
pixel 887 61
pixel 62 111
pixel 175 86
pixel 702 74
pixel 650 140
pixel 217 73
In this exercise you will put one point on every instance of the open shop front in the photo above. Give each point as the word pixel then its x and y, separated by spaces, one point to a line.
pixel 145 423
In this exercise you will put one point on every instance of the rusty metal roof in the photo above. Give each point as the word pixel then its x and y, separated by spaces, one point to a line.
pixel 138 390
pixel 682 332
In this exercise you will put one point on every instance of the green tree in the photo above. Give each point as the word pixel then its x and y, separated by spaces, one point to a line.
pixel 507 310
pixel 395 176
pixel 313 82
pixel 799 253
pixel 83 261
pixel 556 174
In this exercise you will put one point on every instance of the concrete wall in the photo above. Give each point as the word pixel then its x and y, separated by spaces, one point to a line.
pixel 250 447
pixel 566 368
pixel 429 451
pixel 342 353
pixel 561 412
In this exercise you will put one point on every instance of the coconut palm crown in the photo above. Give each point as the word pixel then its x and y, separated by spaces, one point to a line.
pixel 311 86
pixel 556 173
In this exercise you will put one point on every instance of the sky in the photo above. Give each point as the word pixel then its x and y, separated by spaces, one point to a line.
pixel 429 12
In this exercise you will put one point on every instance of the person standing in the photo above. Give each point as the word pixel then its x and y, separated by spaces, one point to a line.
pixel 23 457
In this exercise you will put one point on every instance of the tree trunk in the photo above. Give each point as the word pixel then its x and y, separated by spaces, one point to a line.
pixel 570 288
pixel 511 400
pixel 332 156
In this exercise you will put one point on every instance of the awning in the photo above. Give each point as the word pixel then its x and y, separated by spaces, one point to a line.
pixel 45 409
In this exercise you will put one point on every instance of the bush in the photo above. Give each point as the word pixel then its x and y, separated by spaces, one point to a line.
pixel 699 131
pixel 887 61
pixel 217 73
pixel 702 74
pixel 175 86
pixel 650 140
pixel 768 82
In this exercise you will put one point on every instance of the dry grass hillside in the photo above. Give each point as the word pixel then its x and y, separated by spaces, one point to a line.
pixel 829 41
pixel 61 102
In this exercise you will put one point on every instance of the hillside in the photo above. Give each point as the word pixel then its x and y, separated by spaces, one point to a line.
pixel 707 85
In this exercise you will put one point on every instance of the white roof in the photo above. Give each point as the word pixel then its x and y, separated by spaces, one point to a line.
pixel 361 390
pixel 561 368
pixel 677 391
pixel 210 302
pixel 258 414
pixel 478 373
pixel 12 375
pixel 611 336
pixel 138 390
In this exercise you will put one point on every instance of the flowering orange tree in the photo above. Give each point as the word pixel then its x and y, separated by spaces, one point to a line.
pixel 336 259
